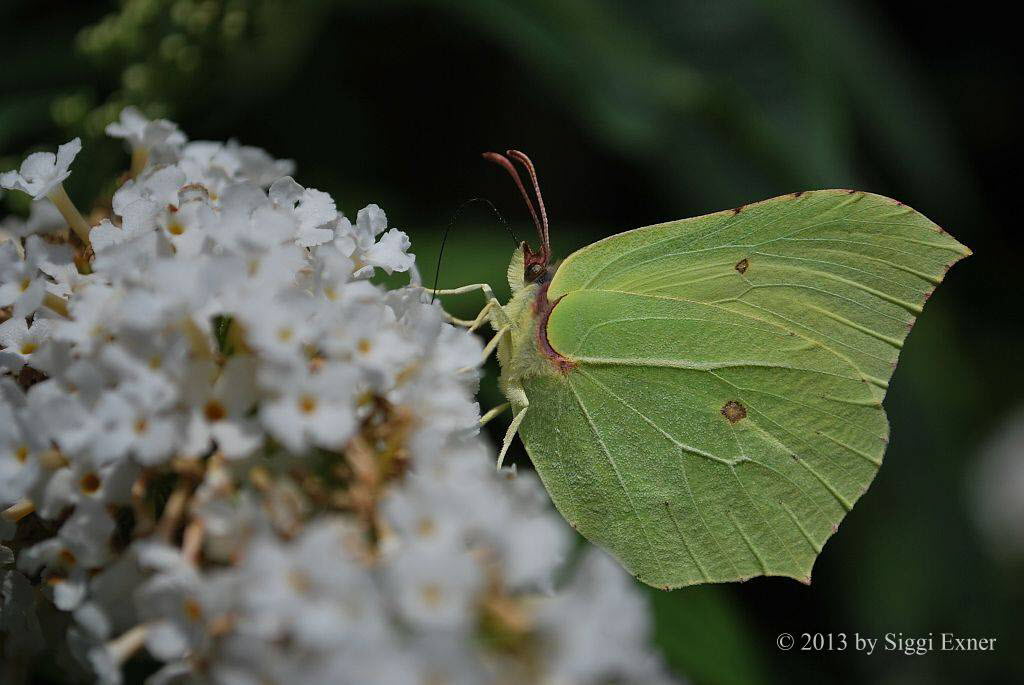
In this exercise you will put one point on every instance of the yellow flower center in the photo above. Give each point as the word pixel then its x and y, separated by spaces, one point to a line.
pixel 214 411
pixel 307 404
pixel 432 595
pixel 89 483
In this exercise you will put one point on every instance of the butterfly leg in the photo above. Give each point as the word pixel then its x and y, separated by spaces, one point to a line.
pixel 485 314
pixel 493 342
pixel 480 319
pixel 487 290
pixel 491 345
pixel 518 397
pixel 486 418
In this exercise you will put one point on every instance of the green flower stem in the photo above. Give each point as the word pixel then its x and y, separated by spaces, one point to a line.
pixel 67 208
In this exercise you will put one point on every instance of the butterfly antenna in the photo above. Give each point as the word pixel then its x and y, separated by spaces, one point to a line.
pixel 451 224
pixel 542 226
pixel 502 161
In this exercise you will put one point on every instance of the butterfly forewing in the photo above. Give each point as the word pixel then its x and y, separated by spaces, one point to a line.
pixel 849 269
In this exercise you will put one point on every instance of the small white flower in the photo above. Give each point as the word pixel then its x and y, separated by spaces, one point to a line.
pixel 371 221
pixel 132 422
pixel 140 132
pixel 159 185
pixel 367 334
pixel 231 521
pixel 422 515
pixel 435 588
pixel 312 591
pixel 43 218
pixel 176 601
pixel 21 282
pixel 312 407
pixel 359 242
pixel 390 252
pixel 67 578
pixel 21 443
pixel 250 224
pixel 333 270
pixel 188 226
pixel 42 172
pixel 89 481
pixel 55 261
pixel 94 317
pixel 280 331
pixel 17 339
pixel 314 210
pixel 598 627
pixel 61 417
pixel 258 167
pixel 220 409
pixel 535 543
pixel 87 532
pixel 107 613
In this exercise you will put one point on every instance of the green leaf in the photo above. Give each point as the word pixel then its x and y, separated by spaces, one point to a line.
pixel 721 412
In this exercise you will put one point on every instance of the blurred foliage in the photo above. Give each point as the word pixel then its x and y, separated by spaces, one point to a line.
pixel 636 113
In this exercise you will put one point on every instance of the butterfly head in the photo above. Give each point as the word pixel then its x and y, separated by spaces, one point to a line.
pixel 536 267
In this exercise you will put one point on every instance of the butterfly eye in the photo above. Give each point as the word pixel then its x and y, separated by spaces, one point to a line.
pixel 534 271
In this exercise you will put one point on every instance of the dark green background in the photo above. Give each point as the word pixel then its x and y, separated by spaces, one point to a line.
pixel 635 112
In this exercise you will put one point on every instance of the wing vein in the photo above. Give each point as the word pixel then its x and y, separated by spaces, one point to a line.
pixel 652 424
pixel 682 538
pixel 618 476
pixel 746 493
pixel 807 536
pixel 699 366
pixel 803 462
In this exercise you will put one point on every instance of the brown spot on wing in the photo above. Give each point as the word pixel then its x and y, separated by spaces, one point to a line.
pixel 734 411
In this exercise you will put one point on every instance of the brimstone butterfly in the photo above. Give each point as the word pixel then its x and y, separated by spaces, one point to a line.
pixel 703 398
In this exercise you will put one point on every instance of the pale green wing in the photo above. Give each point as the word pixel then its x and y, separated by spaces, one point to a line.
pixel 724 410
pixel 849 269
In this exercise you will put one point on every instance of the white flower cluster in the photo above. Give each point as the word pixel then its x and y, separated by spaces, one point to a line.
pixel 221 443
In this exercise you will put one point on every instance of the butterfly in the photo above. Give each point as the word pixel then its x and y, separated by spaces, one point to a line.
pixel 703 398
